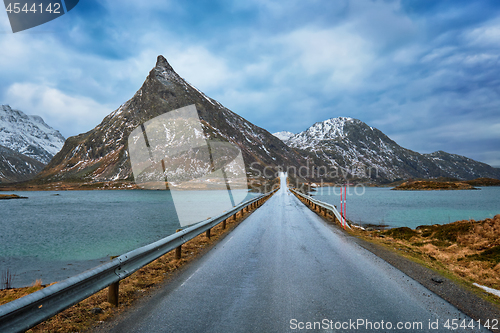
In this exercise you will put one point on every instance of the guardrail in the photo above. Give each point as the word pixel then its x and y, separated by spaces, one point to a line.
pixel 322 207
pixel 23 313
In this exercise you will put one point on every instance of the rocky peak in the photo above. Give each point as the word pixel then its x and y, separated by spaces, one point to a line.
pixel 356 147
pixel 101 154
pixel 162 64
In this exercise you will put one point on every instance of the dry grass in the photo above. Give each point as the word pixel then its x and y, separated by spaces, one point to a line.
pixel 95 309
pixel 11 294
pixel 468 249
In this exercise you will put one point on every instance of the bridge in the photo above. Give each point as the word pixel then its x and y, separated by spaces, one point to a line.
pixel 283 269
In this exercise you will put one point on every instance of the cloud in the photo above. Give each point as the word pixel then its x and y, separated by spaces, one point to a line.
pixel 425 73
pixel 68 114
pixel 344 57
pixel 211 72
pixel 485 36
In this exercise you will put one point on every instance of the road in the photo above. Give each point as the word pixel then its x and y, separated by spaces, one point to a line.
pixel 282 269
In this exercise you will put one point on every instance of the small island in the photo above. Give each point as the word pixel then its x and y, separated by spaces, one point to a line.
pixel 11 196
pixel 444 183
pixel 483 182
pixel 430 185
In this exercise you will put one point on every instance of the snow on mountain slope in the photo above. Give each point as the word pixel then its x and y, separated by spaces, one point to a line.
pixel 15 167
pixel 329 129
pixel 365 152
pixel 283 135
pixel 28 135
pixel 101 154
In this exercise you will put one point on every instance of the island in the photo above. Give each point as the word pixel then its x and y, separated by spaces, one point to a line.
pixel 11 196
pixel 429 185
pixel 444 183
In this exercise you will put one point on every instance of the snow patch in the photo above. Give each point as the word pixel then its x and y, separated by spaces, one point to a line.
pixel 283 135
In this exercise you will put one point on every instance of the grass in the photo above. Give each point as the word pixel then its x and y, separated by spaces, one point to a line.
pixel 401 233
pixel 492 255
pixel 95 309
pixel 468 250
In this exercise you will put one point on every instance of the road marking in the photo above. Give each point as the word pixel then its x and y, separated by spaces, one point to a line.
pixel 183 283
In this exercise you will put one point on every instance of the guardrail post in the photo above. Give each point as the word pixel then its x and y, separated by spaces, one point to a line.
pixel 113 293
pixel 224 224
pixel 178 249
pixel 207 233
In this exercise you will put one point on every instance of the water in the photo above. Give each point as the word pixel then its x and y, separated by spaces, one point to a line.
pixel 375 205
pixel 54 235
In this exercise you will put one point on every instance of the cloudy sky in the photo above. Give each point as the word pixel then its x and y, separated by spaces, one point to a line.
pixel 426 73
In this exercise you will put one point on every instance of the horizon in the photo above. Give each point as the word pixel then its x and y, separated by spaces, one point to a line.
pixel 423 74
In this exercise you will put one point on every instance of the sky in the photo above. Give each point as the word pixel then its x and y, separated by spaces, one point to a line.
pixel 424 72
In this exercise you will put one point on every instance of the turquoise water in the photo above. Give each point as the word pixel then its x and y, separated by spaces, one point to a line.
pixel 55 235
pixel 373 205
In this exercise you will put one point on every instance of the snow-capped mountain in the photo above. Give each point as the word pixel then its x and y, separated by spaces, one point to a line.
pixel 345 147
pixel 365 152
pixel 283 135
pixel 28 135
pixel 16 167
pixel 101 154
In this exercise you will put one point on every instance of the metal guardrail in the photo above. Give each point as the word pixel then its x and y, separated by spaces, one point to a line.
pixel 23 313
pixel 323 205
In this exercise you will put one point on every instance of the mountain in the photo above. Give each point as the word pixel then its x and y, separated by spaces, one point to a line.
pixel 363 152
pixel 462 167
pixel 28 135
pixel 283 135
pixel 15 167
pixel 101 154
pixel 341 147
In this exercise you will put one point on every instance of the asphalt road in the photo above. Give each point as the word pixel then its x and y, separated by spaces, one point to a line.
pixel 284 268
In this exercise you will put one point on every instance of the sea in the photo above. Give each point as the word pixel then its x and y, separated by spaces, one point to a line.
pixel 389 208
pixel 52 236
